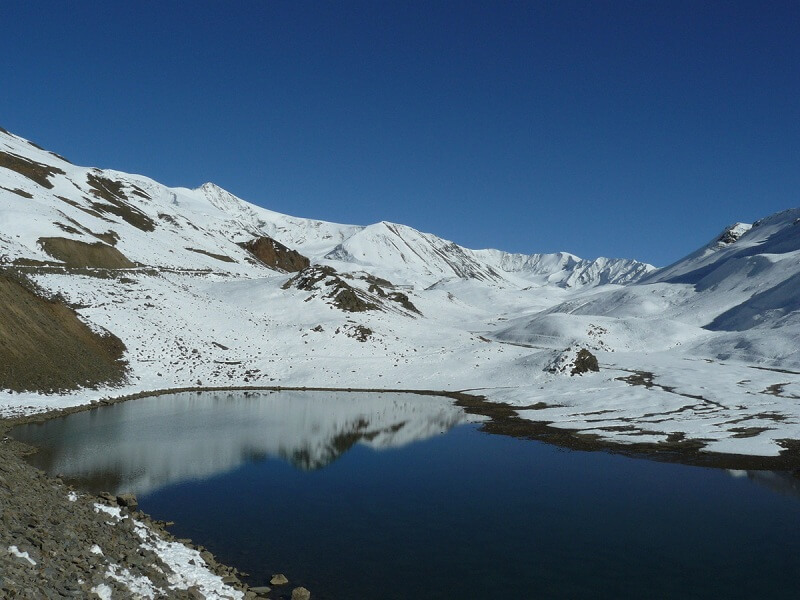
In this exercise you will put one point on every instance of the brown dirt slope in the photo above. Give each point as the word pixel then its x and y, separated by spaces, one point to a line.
pixel 45 347
pixel 274 254
pixel 113 193
pixel 33 170
pixel 82 254
pixel 221 257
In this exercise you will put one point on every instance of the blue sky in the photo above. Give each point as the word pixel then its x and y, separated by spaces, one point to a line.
pixel 626 129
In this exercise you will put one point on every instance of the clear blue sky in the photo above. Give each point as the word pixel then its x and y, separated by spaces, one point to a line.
pixel 633 129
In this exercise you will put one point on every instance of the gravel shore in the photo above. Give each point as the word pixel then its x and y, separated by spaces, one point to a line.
pixel 57 542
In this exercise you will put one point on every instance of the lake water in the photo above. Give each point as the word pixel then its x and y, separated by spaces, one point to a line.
pixel 399 496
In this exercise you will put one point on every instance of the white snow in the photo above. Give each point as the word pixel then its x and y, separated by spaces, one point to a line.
pixel 24 555
pixel 113 511
pixel 140 586
pixel 103 591
pixel 189 569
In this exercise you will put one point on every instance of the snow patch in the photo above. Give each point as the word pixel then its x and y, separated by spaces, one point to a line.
pixel 140 586
pixel 114 511
pixel 103 591
pixel 189 569
pixel 16 552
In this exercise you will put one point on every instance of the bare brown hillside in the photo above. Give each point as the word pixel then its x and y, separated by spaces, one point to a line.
pixel 75 253
pixel 274 254
pixel 45 347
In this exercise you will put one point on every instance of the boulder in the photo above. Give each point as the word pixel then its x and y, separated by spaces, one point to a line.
pixel 301 593
pixel 128 500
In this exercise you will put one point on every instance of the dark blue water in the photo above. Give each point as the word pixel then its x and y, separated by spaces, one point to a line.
pixel 467 514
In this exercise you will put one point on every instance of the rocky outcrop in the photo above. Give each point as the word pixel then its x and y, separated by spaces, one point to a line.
pixel 584 362
pixel 331 285
pixel 274 254
pixel 573 361
pixel 325 279
pixel 732 234
pixel 115 201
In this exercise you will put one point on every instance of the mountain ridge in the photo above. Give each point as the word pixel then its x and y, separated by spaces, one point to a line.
pixel 236 221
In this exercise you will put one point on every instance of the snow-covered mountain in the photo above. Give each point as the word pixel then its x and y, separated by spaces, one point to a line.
pixel 564 269
pixel 745 280
pixel 153 225
pixel 196 287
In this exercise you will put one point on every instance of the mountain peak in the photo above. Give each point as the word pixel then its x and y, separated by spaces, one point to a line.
pixel 732 233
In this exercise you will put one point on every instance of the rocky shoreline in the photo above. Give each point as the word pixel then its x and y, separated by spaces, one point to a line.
pixel 60 542
pixel 57 542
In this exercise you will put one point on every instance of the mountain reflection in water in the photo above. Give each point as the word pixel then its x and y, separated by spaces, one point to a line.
pixel 145 444
pixel 783 482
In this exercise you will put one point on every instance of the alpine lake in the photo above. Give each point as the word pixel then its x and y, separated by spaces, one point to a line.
pixel 404 496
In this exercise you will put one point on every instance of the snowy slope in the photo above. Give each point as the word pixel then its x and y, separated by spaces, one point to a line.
pixel 712 337
pixel 199 229
pixel 407 252
pixel 154 225
pixel 747 278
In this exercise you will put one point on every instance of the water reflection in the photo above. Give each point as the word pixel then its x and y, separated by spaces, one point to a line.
pixel 145 444
pixel 783 482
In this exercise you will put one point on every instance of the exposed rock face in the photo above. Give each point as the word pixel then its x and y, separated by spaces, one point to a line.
pixel 128 500
pixel 357 332
pixel 733 233
pixel 75 253
pixel 116 202
pixel 44 346
pixel 274 254
pixel 585 361
pixel 403 301
pixel 341 294
pixel 221 257
pixel 573 361
pixel 332 286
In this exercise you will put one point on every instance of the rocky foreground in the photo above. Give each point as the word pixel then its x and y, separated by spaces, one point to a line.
pixel 57 542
